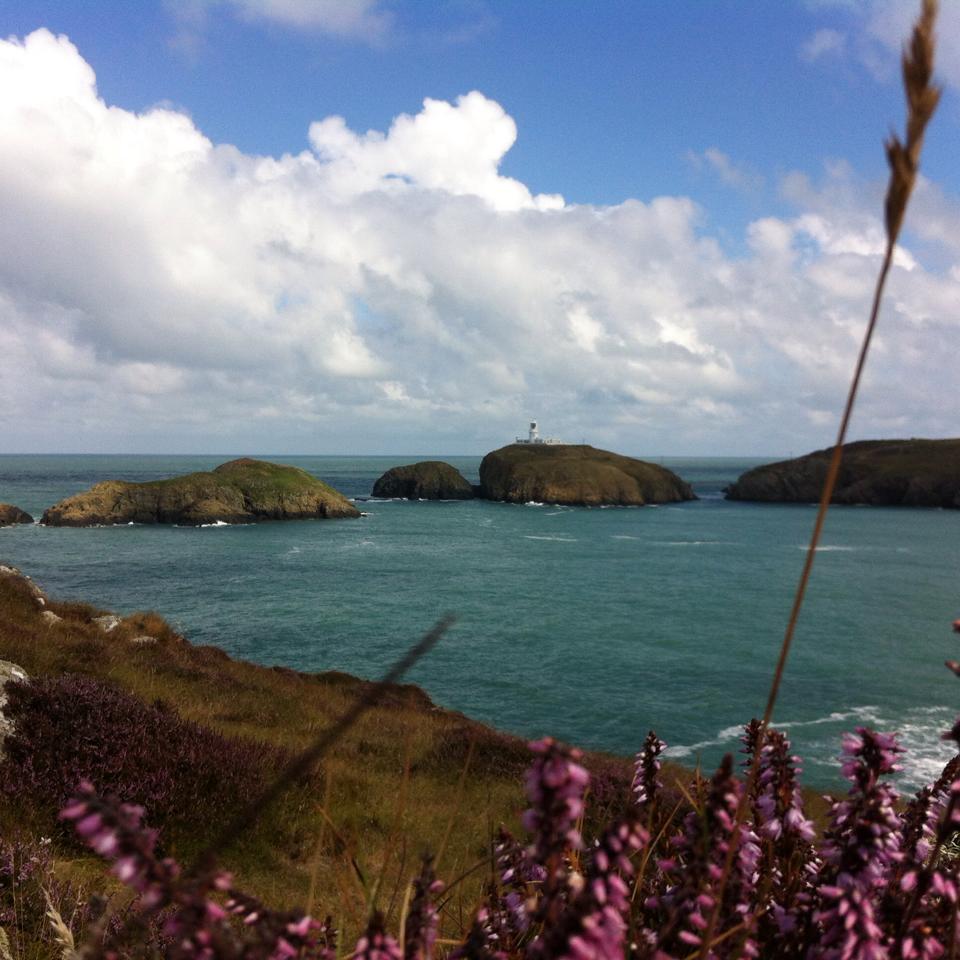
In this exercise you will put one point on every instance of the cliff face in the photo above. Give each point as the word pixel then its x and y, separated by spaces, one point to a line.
pixel 427 480
pixel 577 475
pixel 9 515
pixel 241 491
pixel 916 473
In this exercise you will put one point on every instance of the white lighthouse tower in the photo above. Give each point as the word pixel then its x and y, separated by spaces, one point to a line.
pixel 533 436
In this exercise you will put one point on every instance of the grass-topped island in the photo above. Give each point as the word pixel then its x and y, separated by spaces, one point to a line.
pixel 571 474
pixel 908 473
pixel 240 491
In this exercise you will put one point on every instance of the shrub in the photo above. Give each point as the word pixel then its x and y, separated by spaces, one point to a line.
pixel 72 728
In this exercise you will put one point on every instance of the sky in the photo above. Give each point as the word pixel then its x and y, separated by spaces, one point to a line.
pixel 408 227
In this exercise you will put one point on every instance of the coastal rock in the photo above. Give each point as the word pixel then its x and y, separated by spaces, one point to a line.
pixel 427 480
pixel 8 671
pixel 241 491
pixel 578 475
pixel 10 515
pixel 914 473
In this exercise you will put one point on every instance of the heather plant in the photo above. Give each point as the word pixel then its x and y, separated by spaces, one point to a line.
pixel 73 728
pixel 737 872
pixel 873 886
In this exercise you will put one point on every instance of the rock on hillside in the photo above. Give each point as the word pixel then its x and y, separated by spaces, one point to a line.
pixel 577 475
pixel 241 491
pixel 915 473
pixel 9 515
pixel 427 480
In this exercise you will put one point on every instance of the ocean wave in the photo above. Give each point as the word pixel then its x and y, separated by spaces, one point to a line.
pixel 917 730
pixel 690 543
pixel 534 503
pixel 216 523
pixel 531 536
pixel 830 548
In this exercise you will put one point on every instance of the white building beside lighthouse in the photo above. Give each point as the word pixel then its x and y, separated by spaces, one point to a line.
pixel 534 436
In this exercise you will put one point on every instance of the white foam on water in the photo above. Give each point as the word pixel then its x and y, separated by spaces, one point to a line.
pixel 216 523
pixel 830 548
pixel 863 715
pixel 917 730
pixel 534 503
pixel 690 543
pixel 623 536
pixel 531 536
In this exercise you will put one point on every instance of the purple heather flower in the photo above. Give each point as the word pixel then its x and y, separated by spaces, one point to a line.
pixel 420 930
pixel 555 785
pixel 482 941
pixel 694 872
pixel 115 832
pixel 646 783
pixel 860 851
pixel 594 926
pixel 376 943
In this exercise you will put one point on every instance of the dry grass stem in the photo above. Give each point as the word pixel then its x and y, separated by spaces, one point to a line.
pixel 904 160
pixel 62 934
pixel 305 762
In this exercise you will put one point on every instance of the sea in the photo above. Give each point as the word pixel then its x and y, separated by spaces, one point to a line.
pixel 594 625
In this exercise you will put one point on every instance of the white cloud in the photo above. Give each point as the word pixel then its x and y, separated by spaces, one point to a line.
pixel 364 20
pixel 739 177
pixel 452 147
pixel 393 290
pixel 824 42
pixel 878 28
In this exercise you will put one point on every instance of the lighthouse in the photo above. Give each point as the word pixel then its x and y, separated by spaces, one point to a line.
pixel 533 436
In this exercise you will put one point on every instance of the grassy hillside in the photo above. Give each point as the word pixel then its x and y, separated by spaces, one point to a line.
pixel 408 778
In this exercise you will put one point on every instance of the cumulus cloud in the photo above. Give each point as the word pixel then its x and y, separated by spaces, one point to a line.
pixel 394 291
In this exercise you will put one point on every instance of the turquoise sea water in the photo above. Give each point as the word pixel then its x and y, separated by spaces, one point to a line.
pixel 593 625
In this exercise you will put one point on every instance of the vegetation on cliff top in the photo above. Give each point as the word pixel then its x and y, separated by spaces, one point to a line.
pixel 240 491
pixel 912 472
pixel 577 475
pixel 408 777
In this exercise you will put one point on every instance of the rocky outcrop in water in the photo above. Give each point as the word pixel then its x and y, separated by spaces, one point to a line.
pixel 578 475
pixel 427 480
pixel 914 473
pixel 10 515
pixel 241 491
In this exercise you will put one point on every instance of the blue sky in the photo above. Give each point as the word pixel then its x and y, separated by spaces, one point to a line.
pixel 747 135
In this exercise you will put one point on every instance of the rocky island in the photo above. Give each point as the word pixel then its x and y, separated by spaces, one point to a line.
pixel 426 480
pixel 577 475
pixel 10 515
pixel 914 473
pixel 240 491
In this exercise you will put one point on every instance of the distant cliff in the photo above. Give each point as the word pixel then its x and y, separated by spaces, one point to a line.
pixel 577 475
pixel 915 473
pixel 241 491
pixel 426 480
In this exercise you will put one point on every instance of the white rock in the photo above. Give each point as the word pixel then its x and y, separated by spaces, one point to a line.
pixel 108 622
pixel 144 639
pixel 50 617
pixel 8 671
